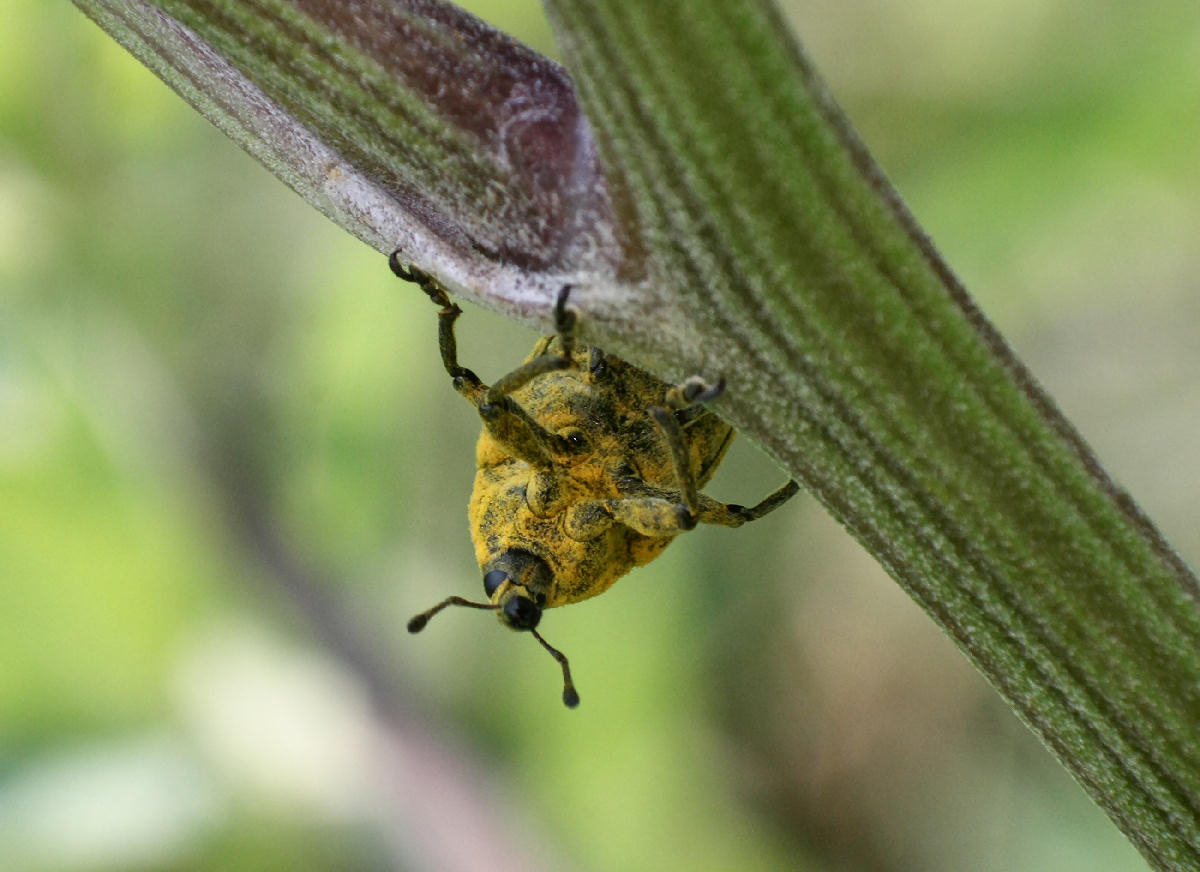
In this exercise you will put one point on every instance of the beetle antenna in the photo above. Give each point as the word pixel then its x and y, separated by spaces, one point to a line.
pixel 570 695
pixel 418 622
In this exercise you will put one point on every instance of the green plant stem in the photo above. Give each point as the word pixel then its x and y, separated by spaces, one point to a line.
pixel 865 369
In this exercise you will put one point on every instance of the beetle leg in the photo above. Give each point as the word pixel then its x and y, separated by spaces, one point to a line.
pixel 596 363
pixel 465 381
pixel 522 436
pixel 732 515
pixel 645 502
pixel 653 516
pixel 684 476
pixel 524 374
pixel 588 520
pixel 704 508
pixel 565 319
pixel 504 417
pixel 512 425
pixel 693 391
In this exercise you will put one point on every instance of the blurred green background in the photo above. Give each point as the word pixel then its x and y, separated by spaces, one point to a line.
pixel 231 468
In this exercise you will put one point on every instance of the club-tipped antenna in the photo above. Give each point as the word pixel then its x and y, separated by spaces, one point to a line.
pixel 418 622
pixel 570 695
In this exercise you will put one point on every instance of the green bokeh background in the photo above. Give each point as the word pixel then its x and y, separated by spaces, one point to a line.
pixel 229 460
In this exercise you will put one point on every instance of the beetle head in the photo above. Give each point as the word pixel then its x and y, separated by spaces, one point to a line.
pixel 517 583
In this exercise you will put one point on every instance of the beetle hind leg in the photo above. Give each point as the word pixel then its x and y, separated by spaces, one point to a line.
pixel 688 395
pixel 702 508
pixel 732 515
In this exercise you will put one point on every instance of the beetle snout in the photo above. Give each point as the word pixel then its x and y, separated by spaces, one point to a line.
pixel 518 582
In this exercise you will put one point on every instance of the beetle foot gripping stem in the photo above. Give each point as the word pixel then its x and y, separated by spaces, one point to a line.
pixel 693 391
pixel 465 381
pixel 422 280
pixel 565 319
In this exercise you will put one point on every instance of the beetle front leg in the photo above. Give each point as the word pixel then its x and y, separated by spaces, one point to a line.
pixel 465 381
pixel 515 429
pixel 503 416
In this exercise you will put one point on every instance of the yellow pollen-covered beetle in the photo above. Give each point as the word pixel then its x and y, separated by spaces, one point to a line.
pixel 587 467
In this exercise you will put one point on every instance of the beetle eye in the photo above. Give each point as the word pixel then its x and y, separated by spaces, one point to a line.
pixel 493 580
pixel 521 613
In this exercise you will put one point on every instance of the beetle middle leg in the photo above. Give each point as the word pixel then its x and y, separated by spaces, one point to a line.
pixel 504 417
pixel 653 514
pixel 565 319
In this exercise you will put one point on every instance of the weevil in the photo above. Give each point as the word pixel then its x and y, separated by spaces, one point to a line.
pixel 586 467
